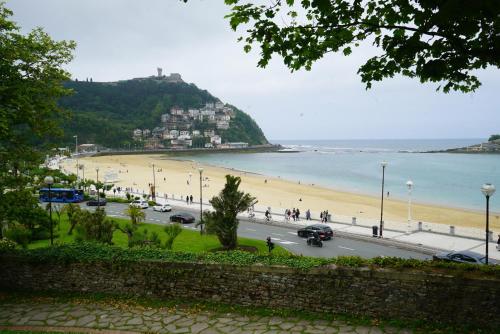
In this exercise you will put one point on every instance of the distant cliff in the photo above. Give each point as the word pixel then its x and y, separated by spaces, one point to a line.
pixel 107 113
pixel 491 146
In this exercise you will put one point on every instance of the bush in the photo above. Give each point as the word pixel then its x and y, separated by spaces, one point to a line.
pixel 20 235
pixel 6 245
pixel 94 226
pixel 172 231
pixel 144 239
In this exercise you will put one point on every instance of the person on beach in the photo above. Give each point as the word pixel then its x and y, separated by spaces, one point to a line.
pixel 293 214
pixel 268 215
pixel 498 243
pixel 321 216
pixel 308 214
pixel 297 214
pixel 187 200
pixel 191 199
pixel 289 213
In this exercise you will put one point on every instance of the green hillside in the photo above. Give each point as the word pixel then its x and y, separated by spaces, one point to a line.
pixel 106 113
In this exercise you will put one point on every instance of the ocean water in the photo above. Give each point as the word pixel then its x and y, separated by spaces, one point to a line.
pixel 354 165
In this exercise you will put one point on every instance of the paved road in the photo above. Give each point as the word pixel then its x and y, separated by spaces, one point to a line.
pixel 283 236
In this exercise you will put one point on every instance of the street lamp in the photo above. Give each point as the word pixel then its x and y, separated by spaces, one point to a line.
pixel 153 191
pixel 201 201
pixel 488 190
pixel 76 155
pixel 49 181
pixel 409 184
pixel 97 187
pixel 383 164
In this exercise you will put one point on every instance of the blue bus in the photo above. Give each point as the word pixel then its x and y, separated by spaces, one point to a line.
pixel 61 195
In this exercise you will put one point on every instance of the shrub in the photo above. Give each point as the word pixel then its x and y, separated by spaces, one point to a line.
pixel 144 239
pixel 6 245
pixel 95 226
pixel 20 235
pixel 172 231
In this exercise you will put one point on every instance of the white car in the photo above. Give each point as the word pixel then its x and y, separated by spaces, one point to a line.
pixel 162 207
pixel 140 204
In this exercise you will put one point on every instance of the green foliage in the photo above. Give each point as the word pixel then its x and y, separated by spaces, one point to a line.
pixel 434 41
pixel 20 207
pixel 145 239
pixel 136 214
pixel 95 226
pixel 90 252
pixel 494 137
pixel 243 128
pixel 72 211
pixel 19 234
pixel 107 113
pixel 172 231
pixel 31 77
pixel 6 245
pixel 222 221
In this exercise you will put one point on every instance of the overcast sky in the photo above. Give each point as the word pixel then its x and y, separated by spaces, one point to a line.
pixel 122 39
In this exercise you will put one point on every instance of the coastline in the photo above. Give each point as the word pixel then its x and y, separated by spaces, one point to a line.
pixel 270 191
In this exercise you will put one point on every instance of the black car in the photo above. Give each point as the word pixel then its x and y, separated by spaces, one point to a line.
pixel 183 218
pixel 462 257
pixel 324 231
pixel 94 202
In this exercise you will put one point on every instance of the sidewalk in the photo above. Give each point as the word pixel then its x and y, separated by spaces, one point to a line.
pixel 429 239
pixel 53 316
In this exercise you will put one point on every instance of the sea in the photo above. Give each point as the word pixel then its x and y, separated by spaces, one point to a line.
pixel 445 179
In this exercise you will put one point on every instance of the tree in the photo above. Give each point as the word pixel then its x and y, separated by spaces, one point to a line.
pixel 136 214
pixel 31 77
pixel 172 231
pixel 95 226
pixel 72 211
pixel 223 222
pixel 433 40
pixel 494 137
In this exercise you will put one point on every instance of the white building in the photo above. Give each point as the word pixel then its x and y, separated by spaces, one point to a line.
pixel 174 133
pixel 165 118
pixel 224 125
pixel 176 111
pixel 209 105
pixel 219 105
pixel 216 140
pixel 208 112
pixel 184 133
pixel 196 133
pixel 209 145
pixel 194 112
pixel 146 133
pixel 137 133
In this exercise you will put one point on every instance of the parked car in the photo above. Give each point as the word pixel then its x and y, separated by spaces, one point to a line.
pixel 182 217
pixel 462 257
pixel 140 204
pixel 324 231
pixel 162 207
pixel 94 202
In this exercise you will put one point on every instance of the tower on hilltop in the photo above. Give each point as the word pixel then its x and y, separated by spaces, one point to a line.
pixel 159 69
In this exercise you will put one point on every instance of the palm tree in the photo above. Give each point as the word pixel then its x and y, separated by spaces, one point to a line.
pixel 72 210
pixel 227 205
pixel 136 214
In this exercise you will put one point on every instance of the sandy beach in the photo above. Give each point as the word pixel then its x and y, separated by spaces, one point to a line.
pixel 182 178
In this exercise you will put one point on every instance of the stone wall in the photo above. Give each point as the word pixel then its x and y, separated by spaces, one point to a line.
pixel 387 293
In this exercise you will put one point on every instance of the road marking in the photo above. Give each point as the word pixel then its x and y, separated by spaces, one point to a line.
pixel 277 234
pixel 293 233
pixel 284 242
pixel 250 229
pixel 277 239
pixel 345 248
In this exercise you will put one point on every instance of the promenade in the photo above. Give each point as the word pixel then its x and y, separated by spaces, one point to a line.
pixel 430 238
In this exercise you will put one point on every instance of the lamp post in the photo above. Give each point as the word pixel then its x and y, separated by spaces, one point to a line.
pixel 201 201
pixel 97 187
pixel 409 184
pixel 153 191
pixel 49 181
pixel 83 175
pixel 76 155
pixel 383 164
pixel 488 190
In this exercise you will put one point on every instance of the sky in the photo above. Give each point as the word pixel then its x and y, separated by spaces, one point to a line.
pixel 124 39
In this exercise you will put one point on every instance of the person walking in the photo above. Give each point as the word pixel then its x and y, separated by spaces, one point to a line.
pixel 187 200
pixel 297 214
pixel 308 214
pixel 191 199
pixel 498 243
pixel 270 244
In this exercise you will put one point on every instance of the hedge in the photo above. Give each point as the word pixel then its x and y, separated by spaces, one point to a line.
pixel 93 252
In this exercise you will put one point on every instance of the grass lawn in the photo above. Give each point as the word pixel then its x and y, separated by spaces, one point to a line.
pixel 187 241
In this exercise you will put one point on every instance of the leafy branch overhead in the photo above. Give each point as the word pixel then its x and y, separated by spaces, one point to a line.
pixel 442 41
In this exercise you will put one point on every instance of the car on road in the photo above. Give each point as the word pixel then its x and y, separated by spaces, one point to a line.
pixel 462 257
pixel 162 207
pixel 324 231
pixel 94 202
pixel 182 217
pixel 140 204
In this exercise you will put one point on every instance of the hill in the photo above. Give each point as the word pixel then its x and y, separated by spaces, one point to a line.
pixel 107 113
